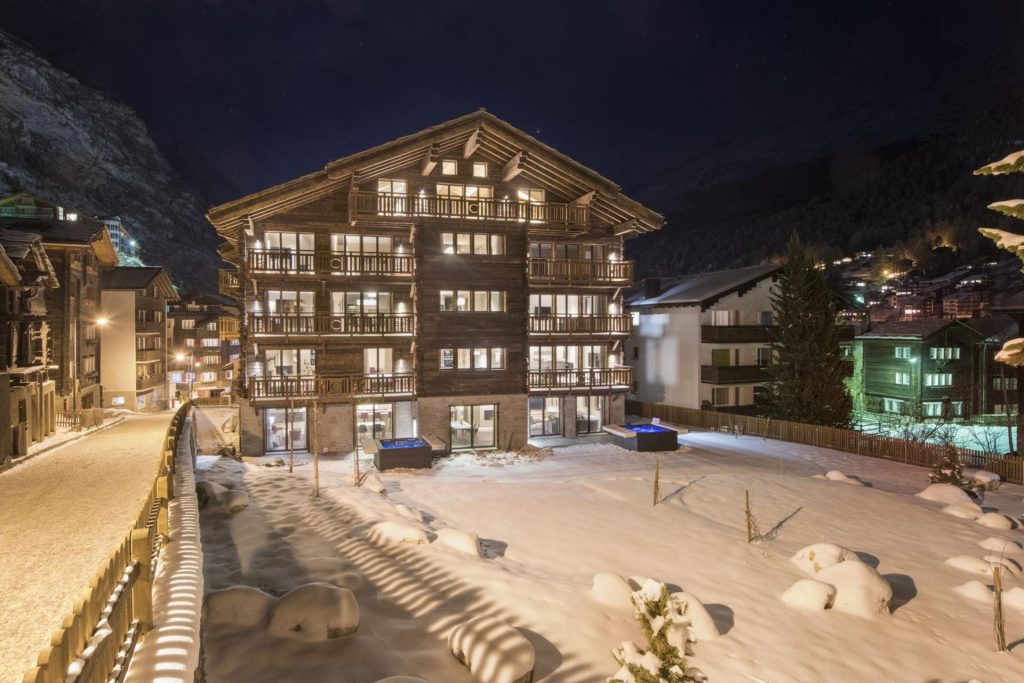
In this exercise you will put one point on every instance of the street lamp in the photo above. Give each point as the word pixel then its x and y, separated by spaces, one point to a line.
pixel 190 369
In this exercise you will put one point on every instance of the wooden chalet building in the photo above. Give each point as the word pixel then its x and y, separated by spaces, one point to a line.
pixel 203 332
pixel 464 282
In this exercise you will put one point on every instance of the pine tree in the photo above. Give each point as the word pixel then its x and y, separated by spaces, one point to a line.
pixel 1012 353
pixel 808 372
pixel 947 469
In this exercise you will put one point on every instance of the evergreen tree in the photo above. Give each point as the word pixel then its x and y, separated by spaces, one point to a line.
pixel 947 469
pixel 808 371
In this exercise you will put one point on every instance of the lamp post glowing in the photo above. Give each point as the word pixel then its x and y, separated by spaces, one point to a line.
pixel 190 369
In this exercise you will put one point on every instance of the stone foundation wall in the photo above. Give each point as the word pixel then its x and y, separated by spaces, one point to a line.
pixel 434 416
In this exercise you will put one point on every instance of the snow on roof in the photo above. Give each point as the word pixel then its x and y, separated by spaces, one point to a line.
pixel 701 288
pixel 133 277
pixel 1008 164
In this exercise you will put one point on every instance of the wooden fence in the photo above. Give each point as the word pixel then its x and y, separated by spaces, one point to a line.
pixel 96 640
pixel 80 419
pixel 847 440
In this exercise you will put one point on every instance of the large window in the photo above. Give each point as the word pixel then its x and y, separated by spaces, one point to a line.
pixel 391 197
pixel 588 414
pixel 944 353
pixel 568 304
pixel 559 250
pixel 361 244
pixel 285 429
pixel 473 426
pixel 479 301
pixel 902 352
pixel 464 201
pixel 938 379
pixel 472 359
pixel 280 302
pixel 375 420
pixel 569 357
pixel 285 251
pixel 290 362
pixel 893 405
pixel 477 243
pixel 544 417
pixel 360 303
pixel 902 378
pixel 378 361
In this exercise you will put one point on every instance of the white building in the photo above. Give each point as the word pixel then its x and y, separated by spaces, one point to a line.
pixel 701 340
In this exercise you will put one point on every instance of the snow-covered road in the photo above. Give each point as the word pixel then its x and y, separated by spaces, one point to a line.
pixel 61 514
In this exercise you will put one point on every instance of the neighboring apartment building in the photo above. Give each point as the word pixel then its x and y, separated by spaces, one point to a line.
pixel 463 282
pixel 26 392
pixel 921 368
pixel 702 340
pixel 133 363
pixel 79 250
pixel 124 244
pixel 203 345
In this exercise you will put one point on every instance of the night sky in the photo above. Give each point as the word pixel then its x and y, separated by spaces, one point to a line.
pixel 266 91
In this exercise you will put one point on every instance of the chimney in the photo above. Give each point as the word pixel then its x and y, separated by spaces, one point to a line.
pixel 652 287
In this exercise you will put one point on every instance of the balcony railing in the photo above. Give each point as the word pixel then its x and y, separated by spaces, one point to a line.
pixel 325 387
pixel 328 263
pixel 228 283
pixel 733 374
pixel 581 271
pixel 403 206
pixel 373 324
pixel 586 325
pixel 591 378
pixel 736 334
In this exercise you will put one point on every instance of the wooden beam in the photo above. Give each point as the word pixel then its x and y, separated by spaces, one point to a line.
pixel 514 166
pixel 627 226
pixel 472 144
pixel 430 159
pixel 585 199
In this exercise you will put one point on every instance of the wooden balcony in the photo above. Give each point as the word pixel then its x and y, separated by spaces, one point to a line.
pixel 381 324
pixel 736 334
pixel 592 325
pixel 733 374
pixel 587 379
pixel 288 262
pixel 228 282
pixel 403 208
pixel 227 328
pixel 336 388
pixel 580 271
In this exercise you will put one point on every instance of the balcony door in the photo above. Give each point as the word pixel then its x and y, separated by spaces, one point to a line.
pixel 589 414
pixel 286 251
pixel 473 426
pixel 285 429
pixel 378 361
pixel 545 418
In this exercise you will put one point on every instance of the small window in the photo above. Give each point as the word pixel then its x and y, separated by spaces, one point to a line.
pixel 497 359
pixel 902 352
pixel 464 359
pixel 479 359
pixel 462 243
pixel 497 245
pixel 480 244
pixel 498 301
pixel 447 359
pixel 448 242
pixel 720 396
pixel 764 356
pixel 480 301
pixel 449 167
pixel 479 169
pixel 462 300
pixel 902 378
pixel 447 300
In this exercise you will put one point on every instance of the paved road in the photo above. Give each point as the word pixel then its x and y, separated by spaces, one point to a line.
pixel 61 514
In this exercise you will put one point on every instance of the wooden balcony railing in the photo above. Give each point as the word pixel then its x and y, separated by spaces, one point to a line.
pixel 733 374
pixel 736 334
pixel 328 263
pixel 588 325
pixel 327 387
pixel 581 271
pixel 228 283
pixel 372 324
pixel 402 206
pixel 227 328
pixel 592 378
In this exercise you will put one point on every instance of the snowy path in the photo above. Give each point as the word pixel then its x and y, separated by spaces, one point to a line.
pixel 61 514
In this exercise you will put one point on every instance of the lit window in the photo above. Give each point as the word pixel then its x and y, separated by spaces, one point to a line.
pixel 447 300
pixel 902 378
pixel 479 169
pixel 498 301
pixel 497 359
pixel 463 243
pixel 497 245
pixel 462 300
pixel 480 244
pixel 447 359
pixel 464 358
pixel 938 379
pixel 479 359
pixel 448 242
pixel 449 167
pixel 902 352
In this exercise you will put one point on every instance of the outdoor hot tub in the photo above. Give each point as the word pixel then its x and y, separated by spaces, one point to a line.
pixel 412 452
pixel 645 437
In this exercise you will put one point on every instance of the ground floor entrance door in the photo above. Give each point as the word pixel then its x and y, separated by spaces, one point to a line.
pixel 285 429
pixel 545 416
pixel 375 421
pixel 473 426
pixel 589 414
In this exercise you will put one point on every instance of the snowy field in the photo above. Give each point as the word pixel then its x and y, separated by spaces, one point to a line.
pixel 549 522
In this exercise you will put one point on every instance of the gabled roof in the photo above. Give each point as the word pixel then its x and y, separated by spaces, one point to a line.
pixel 701 289
pixel 994 328
pixel 18 247
pixel 84 232
pixel 913 329
pixel 495 140
pixel 138 278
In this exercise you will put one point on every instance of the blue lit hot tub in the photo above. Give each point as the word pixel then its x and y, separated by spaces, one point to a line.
pixel 411 452
pixel 648 437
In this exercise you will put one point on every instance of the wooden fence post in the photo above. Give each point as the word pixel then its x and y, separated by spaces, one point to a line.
pixel 142 591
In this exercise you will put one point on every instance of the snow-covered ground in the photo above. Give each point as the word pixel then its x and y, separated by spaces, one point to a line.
pixel 61 515
pixel 549 522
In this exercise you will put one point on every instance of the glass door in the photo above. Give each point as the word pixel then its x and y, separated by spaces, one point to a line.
pixel 285 429
pixel 588 414
pixel 545 419
pixel 473 426
pixel 375 421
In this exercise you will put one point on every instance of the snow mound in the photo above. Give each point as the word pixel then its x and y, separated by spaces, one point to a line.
pixel 234 501
pixel 493 651
pixel 1000 546
pixel 397 532
pixel 836 475
pixel 860 589
pixel 989 480
pixel 994 520
pixel 315 612
pixel 976 565
pixel 237 607
pixel 612 590
pixel 945 493
pixel 696 616
pixel 1014 599
pixel 814 558
pixel 373 483
pixel 402 679
pixel 975 590
pixel 964 510
pixel 810 594
pixel 409 513
pixel 465 542
pixel 207 491
pixel 216 497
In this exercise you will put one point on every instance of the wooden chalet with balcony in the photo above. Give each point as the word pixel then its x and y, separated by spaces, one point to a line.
pixel 464 282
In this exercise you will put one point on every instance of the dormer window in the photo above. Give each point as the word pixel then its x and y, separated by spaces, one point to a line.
pixel 479 169
pixel 449 167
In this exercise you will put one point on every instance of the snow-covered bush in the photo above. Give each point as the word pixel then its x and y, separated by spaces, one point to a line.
pixel 493 651
pixel 947 469
pixel 860 589
pixel 810 594
pixel 465 542
pixel 237 607
pixel 945 493
pixel 397 532
pixel 611 590
pixel 819 556
pixel 994 520
pixel 964 510
pixel 315 612
pixel 666 629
